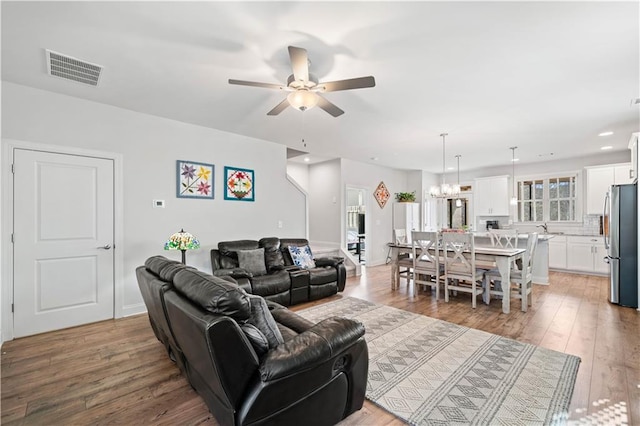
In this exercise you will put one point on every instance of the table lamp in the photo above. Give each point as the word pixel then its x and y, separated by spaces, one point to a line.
pixel 182 241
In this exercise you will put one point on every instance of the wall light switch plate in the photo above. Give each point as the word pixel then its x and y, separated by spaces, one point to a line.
pixel 158 204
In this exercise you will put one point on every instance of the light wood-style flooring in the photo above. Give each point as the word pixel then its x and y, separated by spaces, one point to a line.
pixel 116 372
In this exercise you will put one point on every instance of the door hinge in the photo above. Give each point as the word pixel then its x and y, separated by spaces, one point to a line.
pixel 13 168
pixel 12 308
pixel 12 240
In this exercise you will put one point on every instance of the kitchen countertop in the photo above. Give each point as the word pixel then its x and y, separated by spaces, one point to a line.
pixel 541 237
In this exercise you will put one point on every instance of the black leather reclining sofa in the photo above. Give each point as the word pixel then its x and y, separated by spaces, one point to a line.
pixel 274 275
pixel 254 362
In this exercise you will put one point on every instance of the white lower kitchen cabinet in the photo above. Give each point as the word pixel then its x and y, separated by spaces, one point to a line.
pixel 586 254
pixel 558 252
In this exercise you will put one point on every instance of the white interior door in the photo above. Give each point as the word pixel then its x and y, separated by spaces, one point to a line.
pixel 63 241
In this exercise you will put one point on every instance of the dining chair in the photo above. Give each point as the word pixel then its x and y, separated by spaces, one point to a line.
pixel 521 277
pixel 504 238
pixel 426 260
pixel 507 238
pixel 405 262
pixel 460 265
pixel 400 236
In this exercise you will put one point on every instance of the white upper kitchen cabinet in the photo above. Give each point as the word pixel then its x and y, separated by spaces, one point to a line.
pixel 622 174
pixel 633 147
pixel 491 196
pixel 599 179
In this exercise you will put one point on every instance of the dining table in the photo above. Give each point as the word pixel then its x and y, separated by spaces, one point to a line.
pixel 501 257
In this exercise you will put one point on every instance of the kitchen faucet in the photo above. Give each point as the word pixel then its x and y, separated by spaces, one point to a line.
pixel 543 226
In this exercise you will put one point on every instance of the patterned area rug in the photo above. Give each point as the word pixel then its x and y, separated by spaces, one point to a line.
pixel 431 372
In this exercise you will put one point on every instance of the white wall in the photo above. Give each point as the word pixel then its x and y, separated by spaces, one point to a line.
pixel 544 167
pixel 300 173
pixel 379 225
pixel 325 206
pixel 150 147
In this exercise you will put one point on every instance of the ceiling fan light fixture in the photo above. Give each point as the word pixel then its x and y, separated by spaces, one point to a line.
pixel 302 99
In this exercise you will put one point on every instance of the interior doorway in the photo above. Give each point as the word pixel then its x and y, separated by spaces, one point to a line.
pixel 64 226
pixel 356 223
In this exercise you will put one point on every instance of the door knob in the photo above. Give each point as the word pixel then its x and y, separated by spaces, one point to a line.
pixel 107 247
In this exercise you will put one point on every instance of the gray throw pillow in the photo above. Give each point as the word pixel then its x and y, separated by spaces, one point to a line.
pixel 256 338
pixel 252 261
pixel 262 319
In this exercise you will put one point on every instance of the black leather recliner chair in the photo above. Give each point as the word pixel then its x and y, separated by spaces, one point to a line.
pixel 247 372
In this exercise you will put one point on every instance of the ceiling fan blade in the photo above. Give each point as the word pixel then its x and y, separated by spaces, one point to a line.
pixel 279 108
pixel 351 83
pixel 299 63
pixel 329 107
pixel 256 84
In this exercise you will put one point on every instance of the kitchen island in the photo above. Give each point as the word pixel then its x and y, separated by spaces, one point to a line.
pixel 540 259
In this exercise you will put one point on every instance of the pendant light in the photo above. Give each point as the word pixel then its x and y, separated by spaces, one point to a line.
pixel 458 200
pixel 444 191
pixel 514 198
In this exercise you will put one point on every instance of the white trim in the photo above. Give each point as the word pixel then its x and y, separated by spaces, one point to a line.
pixel 579 196
pixel 129 310
pixel 6 227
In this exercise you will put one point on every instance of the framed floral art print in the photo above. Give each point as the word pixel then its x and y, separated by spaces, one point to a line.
pixel 239 184
pixel 194 180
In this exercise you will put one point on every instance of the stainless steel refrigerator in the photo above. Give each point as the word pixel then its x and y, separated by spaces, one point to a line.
pixel 621 242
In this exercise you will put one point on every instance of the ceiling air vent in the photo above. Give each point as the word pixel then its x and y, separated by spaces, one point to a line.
pixel 67 67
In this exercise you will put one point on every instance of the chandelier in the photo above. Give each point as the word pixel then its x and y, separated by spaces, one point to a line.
pixel 514 198
pixel 444 190
pixel 458 200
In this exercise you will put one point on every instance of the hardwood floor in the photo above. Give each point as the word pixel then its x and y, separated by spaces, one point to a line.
pixel 116 372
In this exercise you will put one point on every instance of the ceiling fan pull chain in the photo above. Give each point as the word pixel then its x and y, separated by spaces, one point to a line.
pixel 304 144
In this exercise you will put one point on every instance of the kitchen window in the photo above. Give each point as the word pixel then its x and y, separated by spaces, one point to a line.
pixel 548 199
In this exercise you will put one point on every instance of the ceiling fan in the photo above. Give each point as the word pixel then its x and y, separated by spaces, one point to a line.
pixel 305 88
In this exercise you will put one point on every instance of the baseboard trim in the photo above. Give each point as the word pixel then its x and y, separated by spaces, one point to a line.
pixel 136 309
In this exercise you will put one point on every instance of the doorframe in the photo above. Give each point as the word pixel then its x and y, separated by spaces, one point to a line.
pixel 367 220
pixel 6 225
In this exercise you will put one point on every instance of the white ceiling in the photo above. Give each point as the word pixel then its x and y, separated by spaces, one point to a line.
pixel 546 77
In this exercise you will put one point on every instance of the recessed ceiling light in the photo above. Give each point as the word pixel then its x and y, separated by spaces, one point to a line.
pixel 307 159
pixel 451 168
pixel 515 159
pixel 605 134
pixel 604 148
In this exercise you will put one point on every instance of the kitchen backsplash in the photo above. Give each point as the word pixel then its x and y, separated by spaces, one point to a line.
pixel 589 226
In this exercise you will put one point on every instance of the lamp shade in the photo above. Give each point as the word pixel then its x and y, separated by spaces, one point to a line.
pixel 182 241
pixel 302 99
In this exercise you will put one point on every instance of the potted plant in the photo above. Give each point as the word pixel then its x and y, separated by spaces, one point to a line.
pixel 406 197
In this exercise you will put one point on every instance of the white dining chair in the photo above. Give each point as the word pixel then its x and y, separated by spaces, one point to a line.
pixel 400 236
pixel 520 277
pixel 426 260
pixel 506 238
pixel 460 272
pixel 405 262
